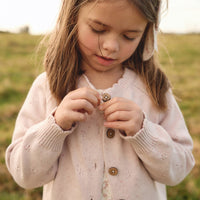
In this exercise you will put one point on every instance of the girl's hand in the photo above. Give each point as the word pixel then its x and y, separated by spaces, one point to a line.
pixel 123 114
pixel 75 107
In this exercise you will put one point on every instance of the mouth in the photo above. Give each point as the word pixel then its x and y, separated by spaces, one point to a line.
pixel 106 58
pixel 105 61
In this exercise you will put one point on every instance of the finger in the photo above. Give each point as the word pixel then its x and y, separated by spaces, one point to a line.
pixel 116 100
pixel 68 118
pixel 82 105
pixel 78 116
pixel 118 116
pixel 121 125
pixel 118 106
pixel 86 93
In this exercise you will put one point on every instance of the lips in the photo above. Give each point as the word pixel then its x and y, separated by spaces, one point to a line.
pixel 105 60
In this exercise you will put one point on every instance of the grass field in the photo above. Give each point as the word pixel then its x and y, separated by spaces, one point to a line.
pixel 19 65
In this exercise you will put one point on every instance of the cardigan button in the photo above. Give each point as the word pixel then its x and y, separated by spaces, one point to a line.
pixel 106 97
pixel 113 171
pixel 110 133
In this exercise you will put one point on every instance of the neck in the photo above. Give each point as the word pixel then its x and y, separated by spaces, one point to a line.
pixel 104 80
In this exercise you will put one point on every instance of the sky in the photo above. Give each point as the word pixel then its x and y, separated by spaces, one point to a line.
pixel 183 16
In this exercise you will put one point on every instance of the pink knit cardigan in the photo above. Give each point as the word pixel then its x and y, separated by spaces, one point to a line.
pixel 70 164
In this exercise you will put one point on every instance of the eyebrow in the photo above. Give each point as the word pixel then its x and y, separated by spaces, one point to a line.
pixel 105 25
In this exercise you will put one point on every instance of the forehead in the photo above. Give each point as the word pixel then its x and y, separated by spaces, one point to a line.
pixel 114 13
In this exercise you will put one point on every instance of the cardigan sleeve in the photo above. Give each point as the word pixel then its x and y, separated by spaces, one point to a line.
pixel 32 157
pixel 165 148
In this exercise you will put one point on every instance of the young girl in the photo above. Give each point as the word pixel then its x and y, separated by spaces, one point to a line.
pixel 101 123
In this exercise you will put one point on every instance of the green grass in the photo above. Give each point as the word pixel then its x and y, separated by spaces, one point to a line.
pixel 179 56
pixel 180 59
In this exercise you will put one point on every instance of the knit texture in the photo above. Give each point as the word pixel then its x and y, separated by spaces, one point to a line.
pixel 75 164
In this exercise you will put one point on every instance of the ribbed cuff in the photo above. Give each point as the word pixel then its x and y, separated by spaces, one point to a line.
pixel 143 141
pixel 51 136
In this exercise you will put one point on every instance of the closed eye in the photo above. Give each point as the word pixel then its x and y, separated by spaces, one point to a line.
pixel 129 38
pixel 97 30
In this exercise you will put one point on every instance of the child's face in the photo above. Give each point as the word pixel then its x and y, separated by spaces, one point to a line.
pixel 109 33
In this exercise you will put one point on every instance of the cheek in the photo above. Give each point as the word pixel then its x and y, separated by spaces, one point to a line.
pixel 129 49
pixel 87 40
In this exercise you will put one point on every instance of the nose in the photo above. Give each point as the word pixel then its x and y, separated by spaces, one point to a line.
pixel 111 44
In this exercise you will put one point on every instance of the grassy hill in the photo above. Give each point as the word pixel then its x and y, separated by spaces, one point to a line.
pixel 19 65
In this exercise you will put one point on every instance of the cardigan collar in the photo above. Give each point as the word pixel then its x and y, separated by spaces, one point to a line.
pixel 121 81
pixel 126 81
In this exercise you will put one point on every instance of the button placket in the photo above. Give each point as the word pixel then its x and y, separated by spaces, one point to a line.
pixel 113 171
pixel 110 132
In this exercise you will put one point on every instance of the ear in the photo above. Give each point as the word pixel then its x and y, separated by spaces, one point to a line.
pixel 150 43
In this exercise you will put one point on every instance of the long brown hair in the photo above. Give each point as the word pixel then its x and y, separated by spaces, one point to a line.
pixel 154 78
pixel 63 58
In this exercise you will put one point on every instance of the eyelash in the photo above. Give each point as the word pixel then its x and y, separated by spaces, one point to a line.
pixel 103 31
pixel 97 31
pixel 130 39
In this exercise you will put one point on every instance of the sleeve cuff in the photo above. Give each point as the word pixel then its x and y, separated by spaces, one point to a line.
pixel 143 141
pixel 51 135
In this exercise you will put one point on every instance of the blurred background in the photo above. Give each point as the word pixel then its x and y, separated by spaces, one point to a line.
pixel 183 16
pixel 22 27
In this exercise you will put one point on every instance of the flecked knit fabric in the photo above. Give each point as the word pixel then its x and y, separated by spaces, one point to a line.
pixel 72 164
pixel 106 191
